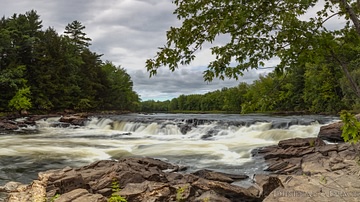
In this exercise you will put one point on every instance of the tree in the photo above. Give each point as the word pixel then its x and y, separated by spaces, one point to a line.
pixel 257 31
pixel 21 100
pixel 118 93
pixel 322 90
pixel 75 31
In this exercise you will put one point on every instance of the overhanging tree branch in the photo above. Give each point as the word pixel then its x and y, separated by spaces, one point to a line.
pixel 352 14
pixel 344 67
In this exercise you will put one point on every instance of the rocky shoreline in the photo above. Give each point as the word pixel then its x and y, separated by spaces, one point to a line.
pixel 301 169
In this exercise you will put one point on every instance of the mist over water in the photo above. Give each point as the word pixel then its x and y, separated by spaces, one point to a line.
pixel 218 142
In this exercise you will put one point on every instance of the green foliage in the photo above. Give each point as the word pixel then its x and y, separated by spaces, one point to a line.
pixel 54 197
pixel 21 100
pixel 311 143
pixel 115 197
pixel 323 179
pixel 75 31
pixel 61 71
pixel 179 193
pixel 84 104
pixel 322 92
pixel 351 127
pixel 256 31
pixel 206 199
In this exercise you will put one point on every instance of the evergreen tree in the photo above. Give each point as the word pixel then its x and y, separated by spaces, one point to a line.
pixel 75 31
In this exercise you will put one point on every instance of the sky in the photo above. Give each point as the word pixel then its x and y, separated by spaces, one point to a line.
pixel 127 32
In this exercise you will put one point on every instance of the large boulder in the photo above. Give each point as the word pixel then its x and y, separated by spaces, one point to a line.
pixel 331 132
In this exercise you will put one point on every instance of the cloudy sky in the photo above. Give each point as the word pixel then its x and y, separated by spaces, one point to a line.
pixel 128 32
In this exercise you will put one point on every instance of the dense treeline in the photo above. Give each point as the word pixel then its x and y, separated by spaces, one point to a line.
pixel 316 85
pixel 42 70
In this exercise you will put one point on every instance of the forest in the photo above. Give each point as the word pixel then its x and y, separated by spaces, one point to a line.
pixel 46 71
pixel 313 88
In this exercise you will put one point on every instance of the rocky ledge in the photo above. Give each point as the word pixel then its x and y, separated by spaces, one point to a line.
pixel 139 179
pixel 310 170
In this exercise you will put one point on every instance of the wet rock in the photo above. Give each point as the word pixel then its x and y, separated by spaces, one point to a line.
pixel 301 142
pixel 331 132
pixel 184 128
pixel 209 134
pixel 8 125
pixel 74 120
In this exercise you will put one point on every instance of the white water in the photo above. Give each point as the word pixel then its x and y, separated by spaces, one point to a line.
pixel 227 146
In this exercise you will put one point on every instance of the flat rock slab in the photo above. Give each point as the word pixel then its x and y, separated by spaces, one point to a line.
pixel 327 188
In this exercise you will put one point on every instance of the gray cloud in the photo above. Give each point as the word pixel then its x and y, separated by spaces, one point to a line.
pixel 166 85
pixel 128 32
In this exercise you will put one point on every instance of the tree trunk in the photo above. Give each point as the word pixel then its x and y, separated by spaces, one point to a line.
pixel 344 67
pixel 352 14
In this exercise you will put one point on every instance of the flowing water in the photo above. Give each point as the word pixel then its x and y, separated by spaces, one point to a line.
pixel 212 141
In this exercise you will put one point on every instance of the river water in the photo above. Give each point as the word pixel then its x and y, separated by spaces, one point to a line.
pixel 220 142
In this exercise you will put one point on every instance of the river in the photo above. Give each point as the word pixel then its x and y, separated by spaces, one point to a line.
pixel 221 142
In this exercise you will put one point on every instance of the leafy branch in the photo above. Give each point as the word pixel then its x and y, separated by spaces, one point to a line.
pixel 351 127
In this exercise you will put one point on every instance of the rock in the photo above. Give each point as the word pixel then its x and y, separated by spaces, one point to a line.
pixel 80 195
pixel 7 125
pixel 138 179
pixel 306 167
pixel 211 196
pixel 331 132
pixel 267 184
pixel 330 187
pixel 301 142
pixel 307 155
pixel 23 112
pixel 184 128
pixel 10 187
pixel 232 192
pixel 217 176
pixel 74 120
